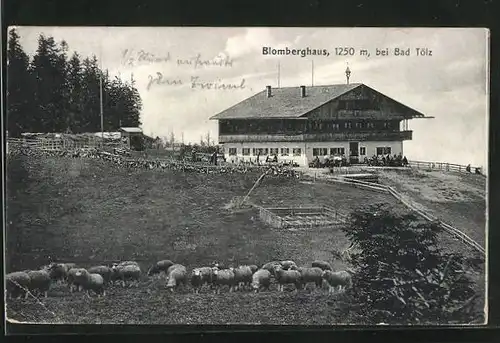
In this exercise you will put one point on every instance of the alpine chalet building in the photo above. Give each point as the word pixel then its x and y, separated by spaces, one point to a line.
pixel 299 123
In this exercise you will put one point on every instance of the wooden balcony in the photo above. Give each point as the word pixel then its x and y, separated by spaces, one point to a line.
pixel 319 137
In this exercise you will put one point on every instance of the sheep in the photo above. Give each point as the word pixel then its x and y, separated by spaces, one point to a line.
pixel 322 264
pixel 253 268
pixel 284 277
pixel 337 280
pixel 160 266
pixel 200 277
pixel 175 266
pixel 127 272
pixel 39 281
pixel 242 276
pixel 271 266
pixel 176 277
pixel 224 277
pixel 73 281
pixel 104 271
pixel 288 265
pixel 17 284
pixel 90 281
pixel 261 278
pixel 314 274
pixel 59 271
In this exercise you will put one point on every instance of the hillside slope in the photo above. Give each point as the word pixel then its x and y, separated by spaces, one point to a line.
pixel 456 199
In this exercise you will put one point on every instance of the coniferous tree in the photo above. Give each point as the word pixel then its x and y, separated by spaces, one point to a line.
pixel 19 91
pixel 54 94
pixel 49 71
pixel 401 275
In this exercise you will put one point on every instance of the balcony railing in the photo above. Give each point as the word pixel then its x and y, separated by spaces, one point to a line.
pixel 321 137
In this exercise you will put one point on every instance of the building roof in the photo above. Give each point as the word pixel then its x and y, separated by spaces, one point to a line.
pixel 131 129
pixel 287 102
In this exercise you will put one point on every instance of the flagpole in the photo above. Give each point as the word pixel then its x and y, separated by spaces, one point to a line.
pixel 279 74
pixel 100 96
pixel 312 73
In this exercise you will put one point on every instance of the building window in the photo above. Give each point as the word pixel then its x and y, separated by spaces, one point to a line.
pixel 273 151
pixel 320 151
pixel 337 151
pixel 387 125
pixel 260 151
pixel 245 151
pixel 297 151
pixel 384 150
pixel 232 151
pixel 347 124
pixel 370 125
pixel 335 126
pixel 285 151
pixel 362 151
pixel 359 125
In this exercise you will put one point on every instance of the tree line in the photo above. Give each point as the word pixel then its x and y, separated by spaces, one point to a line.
pixel 54 92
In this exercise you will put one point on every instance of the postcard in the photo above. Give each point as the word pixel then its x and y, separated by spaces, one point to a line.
pixel 260 176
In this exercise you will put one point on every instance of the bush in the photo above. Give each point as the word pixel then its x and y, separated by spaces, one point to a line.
pixel 401 276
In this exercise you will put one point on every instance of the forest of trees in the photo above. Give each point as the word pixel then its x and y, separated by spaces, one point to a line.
pixel 54 92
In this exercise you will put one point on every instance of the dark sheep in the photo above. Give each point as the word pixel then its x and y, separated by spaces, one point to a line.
pixel 160 266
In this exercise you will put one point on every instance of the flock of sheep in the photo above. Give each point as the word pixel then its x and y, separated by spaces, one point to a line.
pixel 275 170
pixel 250 277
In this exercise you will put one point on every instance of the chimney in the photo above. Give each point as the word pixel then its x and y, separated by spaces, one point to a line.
pixel 303 91
pixel 268 89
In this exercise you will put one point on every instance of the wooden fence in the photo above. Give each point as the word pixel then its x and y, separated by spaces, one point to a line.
pixel 408 203
pixel 59 143
pixel 442 166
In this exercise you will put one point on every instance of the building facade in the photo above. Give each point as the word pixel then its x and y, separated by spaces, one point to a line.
pixel 299 123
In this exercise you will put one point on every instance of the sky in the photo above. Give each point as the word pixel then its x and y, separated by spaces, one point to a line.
pixel 451 84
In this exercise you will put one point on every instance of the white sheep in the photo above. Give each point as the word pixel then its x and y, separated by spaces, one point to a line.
pixel 242 276
pixel 159 267
pixel 322 264
pixel 90 281
pixel 224 277
pixel 40 281
pixel 127 272
pixel 285 277
pixel 261 279
pixel 175 266
pixel 337 280
pixel 17 284
pixel 313 274
pixel 201 276
pixel 176 277
pixel 104 271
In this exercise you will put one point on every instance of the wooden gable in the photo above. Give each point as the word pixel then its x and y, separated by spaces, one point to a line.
pixel 366 103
